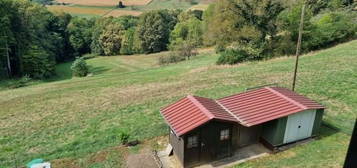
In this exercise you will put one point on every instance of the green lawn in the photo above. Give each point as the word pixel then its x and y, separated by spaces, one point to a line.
pixel 69 119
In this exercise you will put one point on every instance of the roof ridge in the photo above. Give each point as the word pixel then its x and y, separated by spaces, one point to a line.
pixel 228 111
pixel 201 107
pixel 286 98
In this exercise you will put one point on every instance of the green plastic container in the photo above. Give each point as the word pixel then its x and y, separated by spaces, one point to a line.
pixel 33 162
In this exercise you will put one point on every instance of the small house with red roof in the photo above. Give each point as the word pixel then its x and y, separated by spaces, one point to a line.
pixel 203 129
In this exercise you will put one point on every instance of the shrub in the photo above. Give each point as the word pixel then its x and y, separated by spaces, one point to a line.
pixel 193 2
pixel 232 56
pixel 320 31
pixel 330 28
pixel 186 50
pixel 284 45
pixel 219 48
pixel 124 137
pixel 121 5
pixel 79 67
pixel 172 57
pixel 21 82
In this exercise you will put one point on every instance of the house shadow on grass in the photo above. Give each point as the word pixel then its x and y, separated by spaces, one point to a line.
pixel 327 130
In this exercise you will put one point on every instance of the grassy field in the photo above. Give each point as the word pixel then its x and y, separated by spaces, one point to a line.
pixel 95 8
pixel 75 122
pixel 79 11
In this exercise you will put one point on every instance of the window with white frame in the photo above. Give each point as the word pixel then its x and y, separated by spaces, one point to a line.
pixel 224 134
pixel 192 141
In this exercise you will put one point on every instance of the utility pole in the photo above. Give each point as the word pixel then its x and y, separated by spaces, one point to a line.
pixel 298 46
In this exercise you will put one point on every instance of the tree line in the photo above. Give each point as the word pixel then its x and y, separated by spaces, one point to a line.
pixel 33 40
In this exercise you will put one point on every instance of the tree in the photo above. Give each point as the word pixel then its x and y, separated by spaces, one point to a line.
pixel 252 25
pixel 80 32
pixel 5 63
pixel 127 43
pixel 219 14
pixel 58 25
pixel 121 5
pixel 37 63
pixel 30 41
pixel 154 29
pixel 289 21
pixel 186 50
pixel 126 23
pixel 260 14
pixel 187 30
pixel 97 30
pixel 111 39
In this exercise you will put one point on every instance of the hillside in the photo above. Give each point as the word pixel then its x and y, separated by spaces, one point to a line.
pixel 69 119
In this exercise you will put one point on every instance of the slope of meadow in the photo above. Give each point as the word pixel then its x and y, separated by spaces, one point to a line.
pixel 69 119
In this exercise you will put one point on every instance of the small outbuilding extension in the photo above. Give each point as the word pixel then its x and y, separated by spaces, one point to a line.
pixel 203 130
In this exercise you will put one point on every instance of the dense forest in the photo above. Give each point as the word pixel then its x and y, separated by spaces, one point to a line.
pixel 33 40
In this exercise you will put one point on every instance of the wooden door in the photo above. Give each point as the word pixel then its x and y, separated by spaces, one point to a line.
pixel 224 143
pixel 192 149
pixel 206 145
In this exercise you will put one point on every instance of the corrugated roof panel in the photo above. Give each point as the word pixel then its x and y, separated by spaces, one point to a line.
pixel 215 109
pixel 179 114
pixel 266 104
pixel 193 111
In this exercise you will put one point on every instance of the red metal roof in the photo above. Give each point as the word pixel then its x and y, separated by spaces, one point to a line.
pixel 191 112
pixel 265 104
pixel 215 109
pixel 249 108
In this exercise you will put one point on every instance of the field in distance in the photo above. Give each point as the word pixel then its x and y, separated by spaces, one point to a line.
pixel 91 11
pixel 105 2
pixel 107 8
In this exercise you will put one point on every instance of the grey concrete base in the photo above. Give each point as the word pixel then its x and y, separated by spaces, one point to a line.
pixel 242 155
pixel 291 145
